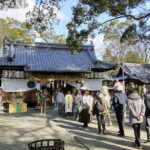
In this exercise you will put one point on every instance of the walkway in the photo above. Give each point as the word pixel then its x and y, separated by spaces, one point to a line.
pixel 17 130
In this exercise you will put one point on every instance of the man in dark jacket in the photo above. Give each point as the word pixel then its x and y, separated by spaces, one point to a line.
pixel 119 102
pixel 147 115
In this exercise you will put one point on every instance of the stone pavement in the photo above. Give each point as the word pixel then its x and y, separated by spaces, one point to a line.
pixel 17 130
pixel 93 141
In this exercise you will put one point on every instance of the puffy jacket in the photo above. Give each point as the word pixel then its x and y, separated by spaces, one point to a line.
pixel 137 108
pixel 119 101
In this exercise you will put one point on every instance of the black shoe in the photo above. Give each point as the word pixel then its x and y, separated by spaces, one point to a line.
pixel 85 126
pixel 120 135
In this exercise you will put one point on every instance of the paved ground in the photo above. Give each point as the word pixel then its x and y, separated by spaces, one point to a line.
pixel 17 130
pixel 93 141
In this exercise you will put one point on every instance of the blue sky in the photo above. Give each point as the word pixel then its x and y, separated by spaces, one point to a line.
pixel 66 9
pixel 64 15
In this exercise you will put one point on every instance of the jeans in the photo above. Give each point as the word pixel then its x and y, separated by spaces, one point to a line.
pixel 120 120
pixel 101 122
pixel 148 127
pixel 136 128
pixel 59 108
pixel 55 103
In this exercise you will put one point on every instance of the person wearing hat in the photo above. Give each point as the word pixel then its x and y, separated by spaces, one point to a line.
pixel 147 114
pixel 137 110
pixel 119 102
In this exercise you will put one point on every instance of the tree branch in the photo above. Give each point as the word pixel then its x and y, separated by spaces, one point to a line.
pixel 111 20
pixel 128 15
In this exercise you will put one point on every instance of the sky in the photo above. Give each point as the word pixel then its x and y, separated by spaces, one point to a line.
pixel 64 15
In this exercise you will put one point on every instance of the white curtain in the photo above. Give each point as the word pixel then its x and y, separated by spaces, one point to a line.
pixel 88 84
pixel 15 85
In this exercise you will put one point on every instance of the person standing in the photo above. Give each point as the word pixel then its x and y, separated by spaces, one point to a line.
pixel 60 99
pixel 100 109
pixel 87 109
pixel 107 98
pixel 1 100
pixel 55 99
pixel 147 114
pixel 79 96
pixel 137 111
pixel 68 104
pixel 119 102
pixel 42 101
pixel 78 105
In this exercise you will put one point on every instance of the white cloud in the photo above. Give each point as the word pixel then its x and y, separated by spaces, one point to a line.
pixel 19 14
pixel 99 46
pixel 61 15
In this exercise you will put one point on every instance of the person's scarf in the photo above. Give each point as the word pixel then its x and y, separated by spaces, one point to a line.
pixel 68 98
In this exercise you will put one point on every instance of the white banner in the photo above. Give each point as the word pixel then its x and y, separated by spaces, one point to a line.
pixel 88 84
pixel 16 85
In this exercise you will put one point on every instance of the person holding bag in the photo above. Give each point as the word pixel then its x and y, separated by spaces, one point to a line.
pixel 100 109
pixel 87 109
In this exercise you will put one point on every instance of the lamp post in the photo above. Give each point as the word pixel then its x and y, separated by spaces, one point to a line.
pixel 122 61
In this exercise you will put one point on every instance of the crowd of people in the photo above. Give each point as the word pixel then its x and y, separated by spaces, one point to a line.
pixel 83 105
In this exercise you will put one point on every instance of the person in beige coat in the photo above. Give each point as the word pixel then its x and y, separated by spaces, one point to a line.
pixel 100 112
pixel 137 111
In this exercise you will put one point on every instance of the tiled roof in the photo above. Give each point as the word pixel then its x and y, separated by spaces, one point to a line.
pixel 139 72
pixel 51 58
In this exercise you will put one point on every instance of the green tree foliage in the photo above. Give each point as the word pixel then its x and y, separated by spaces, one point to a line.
pixel 87 12
pixel 112 37
pixel 14 30
pixel 43 14
pixel 133 57
pixel 5 4
pixel 49 36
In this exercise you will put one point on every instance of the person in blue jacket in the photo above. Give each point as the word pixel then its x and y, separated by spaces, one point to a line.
pixel 119 103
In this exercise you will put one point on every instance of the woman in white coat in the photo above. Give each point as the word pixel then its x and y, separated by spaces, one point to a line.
pixel 87 108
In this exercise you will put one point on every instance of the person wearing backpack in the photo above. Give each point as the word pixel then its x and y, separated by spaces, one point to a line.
pixel 119 103
pixel 100 109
